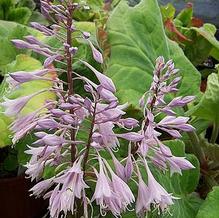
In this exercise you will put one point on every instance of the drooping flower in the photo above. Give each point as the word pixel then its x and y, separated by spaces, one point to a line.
pixel 41 187
pixel 96 54
pixel 70 186
pixel 157 195
pixel 142 203
pixel 14 106
pixel 105 81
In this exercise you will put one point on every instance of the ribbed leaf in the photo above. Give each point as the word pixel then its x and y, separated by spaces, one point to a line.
pixel 137 38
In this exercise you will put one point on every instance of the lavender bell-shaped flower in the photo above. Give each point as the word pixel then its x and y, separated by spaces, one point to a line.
pixel 14 106
pixel 96 54
pixel 72 187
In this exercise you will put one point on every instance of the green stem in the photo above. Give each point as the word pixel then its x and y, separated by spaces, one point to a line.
pixel 196 147
pixel 215 133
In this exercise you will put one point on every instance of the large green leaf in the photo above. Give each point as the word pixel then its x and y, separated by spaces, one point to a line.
pixel 137 38
pixel 209 208
pixel 208 107
pixel 23 63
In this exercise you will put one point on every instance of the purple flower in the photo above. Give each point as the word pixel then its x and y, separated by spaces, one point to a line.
pixel 57 112
pixel 39 159
pixel 113 195
pixel 72 187
pixel 59 126
pixel 51 59
pixel 41 187
pixel 152 194
pixel 106 94
pixel 19 134
pixel 25 45
pixel 128 170
pixel 108 138
pixel 96 54
pixel 47 123
pixel 42 28
pixel 53 140
pixel 17 78
pixel 120 169
pixel 143 201
pixel 86 35
pixel 103 190
pixel 73 50
pixel 181 101
pixel 122 190
pixel 32 40
pixel 68 119
pixel 14 106
pixel 131 136
pixel 105 81
pixel 172 122
pixel 129 122
pixel 179 163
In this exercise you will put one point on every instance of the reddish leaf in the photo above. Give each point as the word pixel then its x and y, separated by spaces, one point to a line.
pixel 197 22
pixel 172 28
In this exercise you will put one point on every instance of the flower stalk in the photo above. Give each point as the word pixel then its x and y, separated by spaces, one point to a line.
pixel 70 72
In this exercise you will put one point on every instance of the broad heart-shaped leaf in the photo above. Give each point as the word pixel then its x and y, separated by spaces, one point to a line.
pixel 23 63
pixel 181 186
pixel 208 107
pixel 137 38
pixel 209 208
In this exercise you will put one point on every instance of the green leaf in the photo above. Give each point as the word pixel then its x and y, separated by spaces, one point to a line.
pixel 198 49
pixel 5 8
pixel 137 38
pixel 203 43
pixel 211 152
pixel 24 63
pixel 39 18
pixel 168 11
pixel 89 15
pixel 20 15
pixel 27 3
pixel 185 16
pixel 208 31
pixel 5 133
pixel 208 106
pixel 209 208
pixel 11 162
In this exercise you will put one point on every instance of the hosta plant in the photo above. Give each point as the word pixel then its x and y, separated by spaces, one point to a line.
pixel 79 137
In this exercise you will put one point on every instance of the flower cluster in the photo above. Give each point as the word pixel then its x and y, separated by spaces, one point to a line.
pixel 80 161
